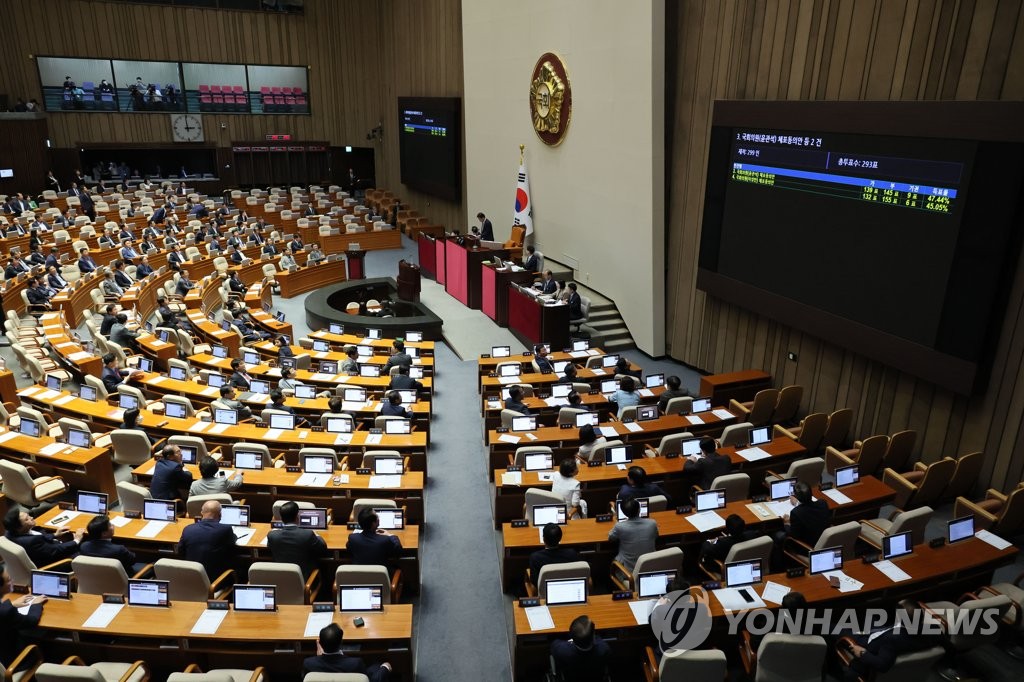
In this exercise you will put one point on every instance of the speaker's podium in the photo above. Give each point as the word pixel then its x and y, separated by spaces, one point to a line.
pixel 355 256
pixel 408 281
pixel 463 263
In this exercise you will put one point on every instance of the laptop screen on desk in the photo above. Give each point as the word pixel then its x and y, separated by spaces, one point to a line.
pixel 584 418
pixel 369 370
pixel 538 461
pixel 609 386
pixel 248 460
pixel 561 390
pixel 510 370
pixel 690 447
pixel 416 372
pixel 618 454
pixel 29 427
pixel 742 573
pixel 373 333
pixel 524 423
pixel 52 584
pixel 759 435
pixel 148 592
pixel 391 518
pixel 317 464
pixel 335 328
pixel 701 405
pixel 644 509
pixel 559 366
pixel 408 395
pixel 646 413
pixel 158 510
pixel 255 598
pixel 327 366
pixel 654 380
pixel 53 382
pixel 388 465
pixel 339 425
pixel 220 352
pixel 355 395
pixel 568 591
pixel 214 380
pixel 250 358
pixel 609 361
pixel 127 402
pixel 654 584
pixel 178 373
pixel 189 454
pixel 225 417
pixel 79 438
pixel 91 503
pixel 782 489
pixel 543 514
pixel 898 545
pixel 960 529
pixel 282 421
pixel 581 344
pixel 87 392
pixel 829 559
pixel 235 515
pixel 847 475
pixel 501 351
pixel 314 519
pixel 364 351
pixel 398 427
pixel 321 346
pixel 710 500
pixel 304 392
pixel 413 337
pixel 258 386
pixel 360 598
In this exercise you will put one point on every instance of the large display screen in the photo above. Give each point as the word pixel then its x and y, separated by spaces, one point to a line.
pixel 894 245
pixel 429 133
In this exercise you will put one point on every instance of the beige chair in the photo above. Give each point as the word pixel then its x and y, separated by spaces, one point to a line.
pixel 507 416
pixel 20 567
pixel 759 410
pixel 194 504
pixel 923 487
pixel 838 428
pixel 519 459
pixel 189 581
pixel 324 452
pixel 962 639
pixel 680 405
pixel 844 535
pixel 74 668
pixel 808 433
pixel 758 548
pixel 965 475
pixel 736 486
pixel 335 677
pixel 24 665
pixel 693 665
pixel 915 520
pixel 26 487
pixel 391 587
pixel 268 461
pixel 567 415
pixel 671 444
pixel 132 496
pixel 362 503
pixel 193 673
pixel 98 575
pixel 540 496
pixel 292 588
pixel 784 658
pixel 536 586
pixel 276 510
pixel 95 382
pixel 670 559
pixel 1001 513
pixel 735 435
pixel 195 442
pixel 131 447
pixel 807 470
pixel 866 454
pixel 788 404
pixel 897 455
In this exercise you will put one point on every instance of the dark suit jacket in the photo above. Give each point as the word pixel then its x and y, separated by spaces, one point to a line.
pixel 105 549
pixel 210 543
pixel 707 469
pixel 373 549
pixel 403 381
pixel 168 478
pixel 550 286
pixel 581 666
pixel 122 279
pixel 11 624
pixel 55 281
pixel 143 271
pixel 183 286
pixel 720 548
pixel 339 663
pixel 52 260
pixel 881 652
pixel 550 555
pixel 646 490
pixel 294 545
pixel 44 548
pixel 521 408
pixel 239 381
pixel 111 378
pixel 808 521
pixel 575 306
pixel 86 265
pixel 486 231
pixel 389 410
pixel 532 264
pixel 107 324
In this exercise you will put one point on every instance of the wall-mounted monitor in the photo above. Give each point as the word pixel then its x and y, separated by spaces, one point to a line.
pixel 429 142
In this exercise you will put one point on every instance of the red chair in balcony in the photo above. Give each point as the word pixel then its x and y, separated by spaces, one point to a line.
pixel 218 102
pixel 205 103
pixel 215 90
pixel 238 90
pixel 204 90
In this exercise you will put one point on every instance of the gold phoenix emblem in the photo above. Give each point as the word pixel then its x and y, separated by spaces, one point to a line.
pixel 546 94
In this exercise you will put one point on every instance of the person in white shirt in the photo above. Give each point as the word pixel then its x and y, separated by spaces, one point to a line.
pixel 589 440
pixel 565 484
pixel 287 261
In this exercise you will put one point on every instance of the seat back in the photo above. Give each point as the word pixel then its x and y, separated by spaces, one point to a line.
pixel 254 447
pixel 276 511
pixel 694 664
pixel 98 575
pixel 807 470
pixel 670 559
pixel 370 503
pixel 17 482
pixel 844 535
pixel 192 442
pixel 657 503
pixel 812 431
pixel 788 404
pixel 370 458
pixel 16 560
pixel 132 496
pixel 1011 516
pixel 872 450
pixel 54 672
pixel 967 638
pixel 936 477
pixel 184 402
pixel 915 665
pixel 736 486
pixel 758 548
pixel 672 444
pixel 567 415
pixel 365 575
pixel 507 416
pixel 536 496
pixel 597 454
pixel 97 383
pixel 131 447
pixel 680 405
pixel 521 453
pixel 763 407
pixel 897 455
pixel 790 658
pixel 562 571
pixel 188 579
pixel 194 504
pixel 915 520
pixel 735 435
pixel 838 428
pixel 291 587
pixel 968 467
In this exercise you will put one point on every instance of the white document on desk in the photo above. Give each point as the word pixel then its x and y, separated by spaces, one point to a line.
pixel 646 392
pixel 79 355
pixel 321 376
pixel 313 480
pixel 119 521
pixel 891 571
pixel 539 618
pixel 761 509
pixel 374 439
pixel 774 592
pixel 556 402
pixel 732 599
pixel 633 427
pixel 7 435
pixel 63 400
pixel 992 539
pixel 198 427
pixel 210 391
pixel 353 405
pixel 315 622
pixel 642 610
pixel 63 519
pixel 385 481
pixel 694 419
pixel 506 438
pixel 578 354
pixel 343 439
pixel 272 434
pixel 846 583
pixel 156 380
pixel 837 496
pixel 608 431
pixel 52 449
pixel 493 404
pixel 243 535
pixel 753 454
pixel 151 529
pixel 102 616
pixel 780 507
pixel 209 622
pixel 723 414
pixel 47 395
pixel 218 428
pixel 512 478
pixel 508 380
pixel 705 521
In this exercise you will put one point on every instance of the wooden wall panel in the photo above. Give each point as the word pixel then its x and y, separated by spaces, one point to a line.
pixel 838 49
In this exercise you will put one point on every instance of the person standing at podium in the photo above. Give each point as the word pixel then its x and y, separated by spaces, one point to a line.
pixel 486 229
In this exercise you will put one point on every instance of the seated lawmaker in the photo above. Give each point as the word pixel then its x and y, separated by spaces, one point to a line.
pixel 330 658
pixel 291 544
pixel 100 543
pixel 392 407
pixel 401 379
pixel 42 547
pixel 211 483
pixel 209 542
pixel 373 545
pixel 14 624
pixel 584 656
pixel 637 486
pixel 552 553
pixel 515 402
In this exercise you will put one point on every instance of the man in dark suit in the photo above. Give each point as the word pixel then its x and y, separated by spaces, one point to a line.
pixel 735 532
pixel 175 258
pixel 709 465
pixel 17 205
pixel 112 375
pixel 14 268
pixel 515 402
pixel 109 318
pixel 209 542
pixel 144 269
pixel 575 303
pixel 36 294
pixel 309 211
pixel 121 277
pixel 637 486
pixel 99 543
pixel 486 229
pixel 13 622
pixel 584 656
pixel 54 280
pixel 673 390
pixel 552 553
pixel 809 518
pixel 53 259
pixel 532 263
pixel 550 286
pixel 876 652
pixel 85 262
pixel 330 659
pixel 123 336
pixel 42 548
pixel 293 545
pixel 170 479
pixel 239 377
pixel 269 249
pixel 403 380
pixel 373 546
pixel 184 284
pixel 159 215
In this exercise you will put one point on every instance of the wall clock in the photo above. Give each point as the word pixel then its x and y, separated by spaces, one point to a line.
pixel 187 128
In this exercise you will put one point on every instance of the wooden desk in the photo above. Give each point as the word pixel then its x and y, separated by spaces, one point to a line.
pixel 366 241
pixel 591 376
pixel 8 388
pixel 486 364
pixel 211 333
pixel 426 348
pixel 70 352
pixel 310 277
pixel 82 468
pixel 741 386
pixel 463 277
pixel 494 290
pixel 533 321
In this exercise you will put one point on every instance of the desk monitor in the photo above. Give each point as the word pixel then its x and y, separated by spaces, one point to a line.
pixel 645 413
pixel 398 427
pixel 690 447
pixel 654 380
pixel 644 508
pixel 127 402
pixel 559 367
pixel 246 459
pixel 759 435
pixel 416 372
pixel 739 574
pixel 87 392
pixel 178 373
pixel 189 454
pixel 285 422
pixel 566 591
pixel 148 327
pixel 29 427
pixel 79 438
pixel 220 351
pixel 539 461
pixel 524 423
pixel 413 337
pixel 360 598
pixel 145 365
pixel 654 583
pixel 609 386
pixel 369 370
pixel 561 390
pixel 781 489
pixel 321 346
pixel 267 308
pixel 895 546
pixel 700 405
pixel 148 593
pixel 215 380
pixel 317 464
pixel 255 598
pixel 609 361
pixel 960 529
pixel 286 363
pixel 335 328
pixel 279 316
pixel 388 466
pixel 512 370
pixel 250 358
pixel 221 416
pixel 304 392
pixel 328 366
pixel 236 515
pixel 412 352
pixel 364 351
pixel 373 333
pixel 339 425
pixel 354 395
pixel 158 510
pixel 314 519
pixel 53 382
pixel 53 584
pixel 543 514
pixel 584 418
pixel 91 503
pixel 408 396
pixel 847 475
pixel 618 454
pixel 581 344
pixel 710 500
pixel 259 386
pixel 391 518
pixel 224 324
pixel 165 336
pixel 501 351
pixel 828 559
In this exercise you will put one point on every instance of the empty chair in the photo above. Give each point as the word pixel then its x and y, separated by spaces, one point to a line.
pixel 193 673
pixel 74 668
pixel 519 459
pixel 866 454
pixel 736 486
pixel 757 548
pixel 998 512
pixel 26 487
pixel 597 453
pixel 680 405
pixel 808 470
pixel 194 504
pixel 189 582
pixel 671 444
pixel 968 467
pixel 670 559
pixel 838 428
pixel 258 448
pixel 926 486
pixel 808 433
pixel 131 447
pixel 577 324
pixel 960 639
pixel 539 496
pixel 292 588
pixel 132 496
pixel 194 442
pixel 370 458
pixel 536 585
pixel 897 455
pixel 844 535
pixel 507 416
pixel 759 410
pixel 788 404
pixel 735 435
pixel 784 658
pixel 20 567
pixel 371 575
pixel 915 520
pixel 98 575
pixel 696 665
pixel 915 665
pixel 567 415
